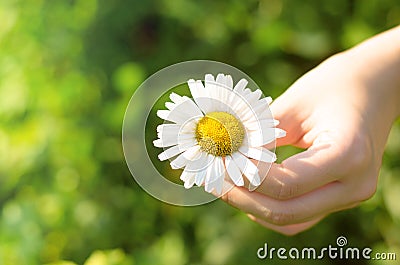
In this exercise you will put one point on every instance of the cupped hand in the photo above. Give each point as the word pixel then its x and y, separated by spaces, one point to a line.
pixel 342 118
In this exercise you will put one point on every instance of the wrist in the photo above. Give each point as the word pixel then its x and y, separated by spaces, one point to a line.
pixel 376 65
pixel 374 70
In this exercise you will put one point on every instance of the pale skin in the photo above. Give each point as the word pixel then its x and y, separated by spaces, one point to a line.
pixel 341 112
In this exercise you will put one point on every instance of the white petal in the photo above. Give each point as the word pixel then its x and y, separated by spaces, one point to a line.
pixel 267 99
pixel 170 152
pixel 169 126
pixel 177 98
pixel 247 105
pixel 179 162
pixel 263 113
pixel 256 138
pixel 200 177
pixel 198 168
pixel 184 176
pixel 261 106
pixel 256 94
pixel 219 171
pixel 170 130
pixel 233 171
pixel 247 92
pixel 279 133
pixel 172 134
pixel 208 174
pixel 170 140
pixel 241 85
pixel 175 150
pixel 193 153
pixel 177 130
pixel 260 153
pixel 225 91
pixel 229 82
pixel 222 99
pixel 217 91
pixel 189 127
pixel 241 107
pixel 214 176
pixel 252 98
pixel 184 158
pixel 196 88
pixel 168 136
pixel 200 95
pixel 264 136
pixel 221 79
pixel 199 180
pixel 257 125
pixel 163 114
pixel 199 164
pixel 209 98
pixel 247 115
pixel 170 105
pixel 209 81
pixel 220 87
pixel 244 164
pixel 247 168
pixel 190 181
pixel 182 112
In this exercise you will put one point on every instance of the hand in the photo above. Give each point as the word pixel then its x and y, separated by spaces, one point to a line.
pixel 341 112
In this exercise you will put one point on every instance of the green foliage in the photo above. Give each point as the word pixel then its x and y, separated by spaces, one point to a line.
pixel 67 71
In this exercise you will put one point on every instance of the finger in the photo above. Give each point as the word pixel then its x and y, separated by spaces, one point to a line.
pixel 302 172
pixel 290 120
pixel 288 230
pixel 294 136
pixel 322 201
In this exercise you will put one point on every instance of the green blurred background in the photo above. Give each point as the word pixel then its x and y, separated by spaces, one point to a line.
pixel 67 71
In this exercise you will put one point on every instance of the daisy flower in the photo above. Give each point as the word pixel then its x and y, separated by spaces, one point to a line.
pixel 215 136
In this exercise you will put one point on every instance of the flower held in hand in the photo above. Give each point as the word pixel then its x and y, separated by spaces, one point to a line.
pixel 214 136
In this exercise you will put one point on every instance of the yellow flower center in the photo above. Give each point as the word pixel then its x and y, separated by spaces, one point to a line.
pixel 219 133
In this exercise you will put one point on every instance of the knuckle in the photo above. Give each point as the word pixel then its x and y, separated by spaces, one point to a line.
pixel 282 189
pixel 227 197
pixel 280 217
pixel 367 190
pixel 287 190
pixel 358 153
pixel 361 187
